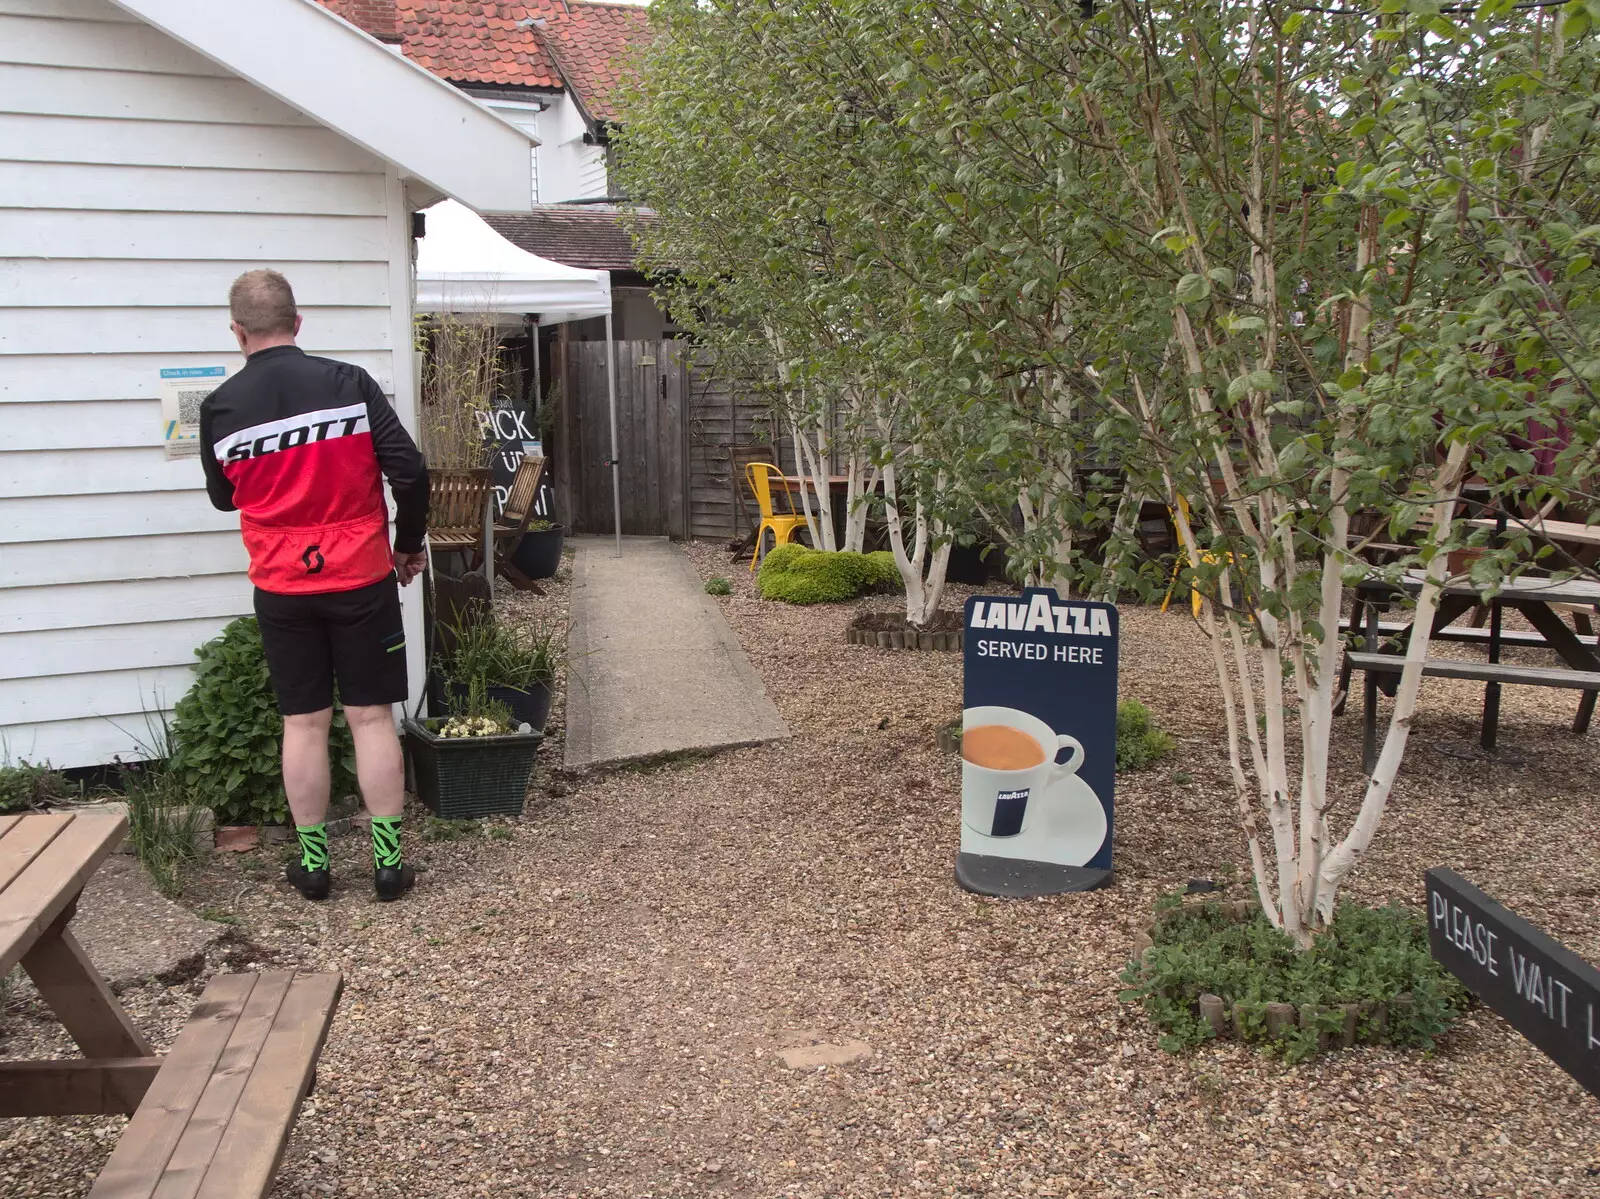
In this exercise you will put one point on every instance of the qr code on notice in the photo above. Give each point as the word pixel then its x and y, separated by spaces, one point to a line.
pixel 189 405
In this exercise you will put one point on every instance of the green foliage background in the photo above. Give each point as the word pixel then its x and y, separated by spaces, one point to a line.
pixel 227 734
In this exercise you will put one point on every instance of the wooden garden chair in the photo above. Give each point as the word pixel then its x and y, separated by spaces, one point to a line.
pixel 513 523
pixel 458 509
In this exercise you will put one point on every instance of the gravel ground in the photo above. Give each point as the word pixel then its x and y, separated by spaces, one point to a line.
pixel 594 1000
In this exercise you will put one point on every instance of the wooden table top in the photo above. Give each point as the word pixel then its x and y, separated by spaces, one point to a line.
pixel 806 480
pixel 1522 590
pixel 1551 530
pixel 44 862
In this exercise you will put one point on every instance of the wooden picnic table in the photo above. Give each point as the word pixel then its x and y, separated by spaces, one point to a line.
pixel 45 860
pixel 1551 530
pixel 835 482
pixel 1535 598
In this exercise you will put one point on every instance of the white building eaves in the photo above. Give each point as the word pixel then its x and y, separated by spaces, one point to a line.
pixel 330 70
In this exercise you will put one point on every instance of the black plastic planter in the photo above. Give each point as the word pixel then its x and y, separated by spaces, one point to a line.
pixel 462 778
pixel 538 554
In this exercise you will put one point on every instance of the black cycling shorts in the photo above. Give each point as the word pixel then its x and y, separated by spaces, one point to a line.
pixel 354 637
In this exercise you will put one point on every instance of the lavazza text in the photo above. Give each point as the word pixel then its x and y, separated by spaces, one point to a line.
pixel 1038 615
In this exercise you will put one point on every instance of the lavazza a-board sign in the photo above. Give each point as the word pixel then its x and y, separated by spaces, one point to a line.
pixel 1038 744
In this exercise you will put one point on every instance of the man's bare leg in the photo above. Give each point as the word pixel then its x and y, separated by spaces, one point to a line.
pixel 305 765
pixel 306 781
pixel 380 768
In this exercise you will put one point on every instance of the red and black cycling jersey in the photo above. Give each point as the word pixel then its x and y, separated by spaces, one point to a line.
pixel 300 446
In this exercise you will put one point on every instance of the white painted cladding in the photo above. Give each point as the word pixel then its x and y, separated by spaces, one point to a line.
pixel 569 169
pixel 137 179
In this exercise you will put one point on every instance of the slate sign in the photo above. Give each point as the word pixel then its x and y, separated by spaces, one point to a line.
pixel 1544 990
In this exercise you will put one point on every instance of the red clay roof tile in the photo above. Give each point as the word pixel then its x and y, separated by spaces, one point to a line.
pixel 474 41
pixel 596 47
pixel 479 41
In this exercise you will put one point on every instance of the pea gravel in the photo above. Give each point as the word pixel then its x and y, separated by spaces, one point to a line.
pixel 597 999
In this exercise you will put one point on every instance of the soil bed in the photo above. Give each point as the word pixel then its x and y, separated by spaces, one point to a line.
pixel 944 621
pixel 600 999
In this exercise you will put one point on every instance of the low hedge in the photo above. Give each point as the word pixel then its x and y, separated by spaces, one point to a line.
pixel 1369 976
pixel 798 574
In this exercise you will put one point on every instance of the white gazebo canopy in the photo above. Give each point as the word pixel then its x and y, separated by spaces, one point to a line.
pixel 465 266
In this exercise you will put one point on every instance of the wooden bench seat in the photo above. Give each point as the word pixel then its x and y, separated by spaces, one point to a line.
pixel 1483 672
pixel 1518 638
pixel 216 1119
pixel 1450 668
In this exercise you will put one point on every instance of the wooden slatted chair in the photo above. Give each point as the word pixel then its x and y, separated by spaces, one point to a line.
pixel 217 1117
pixel 458 502
pixel 513 523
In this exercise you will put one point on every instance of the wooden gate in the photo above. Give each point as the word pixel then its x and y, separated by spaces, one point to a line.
pixel 683 437
pixel 652 450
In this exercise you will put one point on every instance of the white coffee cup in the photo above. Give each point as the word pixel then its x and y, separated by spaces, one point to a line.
pixel 996 803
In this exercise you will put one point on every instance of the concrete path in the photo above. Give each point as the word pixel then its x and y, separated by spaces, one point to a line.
pixel 652 666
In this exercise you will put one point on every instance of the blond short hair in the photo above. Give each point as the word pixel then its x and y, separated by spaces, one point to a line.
pixel 262 302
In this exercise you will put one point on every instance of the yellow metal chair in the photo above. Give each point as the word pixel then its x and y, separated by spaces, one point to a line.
pixel 1196 600
pixel 784 525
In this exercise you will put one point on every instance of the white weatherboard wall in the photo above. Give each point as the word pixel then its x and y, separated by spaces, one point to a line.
pixel 568 168
pixel 137 179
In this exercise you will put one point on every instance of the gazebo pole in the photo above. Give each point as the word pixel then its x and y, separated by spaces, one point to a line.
pixel 611 392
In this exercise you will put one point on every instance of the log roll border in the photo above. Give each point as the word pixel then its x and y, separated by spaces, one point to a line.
pixel 904 640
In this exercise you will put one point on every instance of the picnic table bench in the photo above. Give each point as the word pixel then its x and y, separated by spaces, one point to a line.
pixel 212 1117
pixel 1540 600
pixel 217 1117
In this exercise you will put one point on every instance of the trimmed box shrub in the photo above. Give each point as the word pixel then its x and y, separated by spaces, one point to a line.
pixel 798 574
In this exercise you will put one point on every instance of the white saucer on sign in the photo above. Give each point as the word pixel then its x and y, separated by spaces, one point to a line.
pixel 1069 829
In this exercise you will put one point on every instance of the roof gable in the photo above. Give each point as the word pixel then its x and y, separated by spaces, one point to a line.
pixel 596 47
pixel 324 66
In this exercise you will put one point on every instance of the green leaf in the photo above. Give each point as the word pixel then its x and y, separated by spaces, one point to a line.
pixel 1192 288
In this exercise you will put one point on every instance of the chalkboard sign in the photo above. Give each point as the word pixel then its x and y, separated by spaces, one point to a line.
pixel 1544 990
pixel 508 431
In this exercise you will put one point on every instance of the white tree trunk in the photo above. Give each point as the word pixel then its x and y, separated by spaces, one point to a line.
pixel 922 567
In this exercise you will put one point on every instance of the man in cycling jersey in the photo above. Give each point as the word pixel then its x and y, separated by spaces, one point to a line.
pixel 300 446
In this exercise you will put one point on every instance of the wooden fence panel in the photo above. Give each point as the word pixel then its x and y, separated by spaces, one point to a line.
pixel 683 437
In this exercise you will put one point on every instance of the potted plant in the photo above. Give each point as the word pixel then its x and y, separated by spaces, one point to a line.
pixel 538 554
pixel 511 667
pixel 474 761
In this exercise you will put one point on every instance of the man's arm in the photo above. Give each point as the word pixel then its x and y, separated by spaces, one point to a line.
pixel 218 486
pixel 402 464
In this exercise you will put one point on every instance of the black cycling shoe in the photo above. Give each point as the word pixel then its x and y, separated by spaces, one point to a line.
pixel 313 884
pixel 391 882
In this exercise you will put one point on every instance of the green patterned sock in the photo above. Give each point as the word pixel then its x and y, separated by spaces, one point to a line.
pixel 385 841
pixel 313 846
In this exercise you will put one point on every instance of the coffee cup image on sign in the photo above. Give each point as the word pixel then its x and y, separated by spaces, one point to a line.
pixel 1007 759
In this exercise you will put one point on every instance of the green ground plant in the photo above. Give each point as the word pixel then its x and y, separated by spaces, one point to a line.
pixel 227 733
pixel 1367 955
pixel 1139 742
pixel 25 785
pixel 164 824
pixel 718 586
pixel 492 653
pixel 798 574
